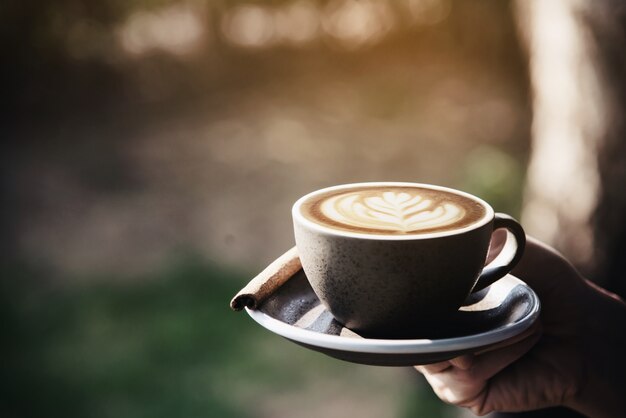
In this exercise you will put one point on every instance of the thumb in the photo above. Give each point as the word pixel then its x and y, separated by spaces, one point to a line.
pixel 545 269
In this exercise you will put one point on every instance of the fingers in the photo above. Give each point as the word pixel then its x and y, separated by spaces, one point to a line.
pixel 463 381
pixel 462 362
pixel 456 392
pixel 488 364
pixel 434 368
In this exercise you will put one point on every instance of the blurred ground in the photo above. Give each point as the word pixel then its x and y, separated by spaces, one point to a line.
pixel 155 152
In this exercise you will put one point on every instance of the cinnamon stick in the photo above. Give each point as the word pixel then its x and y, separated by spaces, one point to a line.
pixel 266 282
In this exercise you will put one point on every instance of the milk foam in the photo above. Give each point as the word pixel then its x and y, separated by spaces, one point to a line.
pixel 391 211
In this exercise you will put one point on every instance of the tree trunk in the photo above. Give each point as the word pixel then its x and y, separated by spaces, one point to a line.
pixel 576 186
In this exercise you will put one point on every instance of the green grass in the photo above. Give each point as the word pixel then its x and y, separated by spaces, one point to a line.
pixel 162 346
pixel 158 347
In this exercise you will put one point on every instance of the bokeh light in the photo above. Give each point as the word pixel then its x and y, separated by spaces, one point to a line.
pixel 177 29
pixel 249 26
pixel 357 23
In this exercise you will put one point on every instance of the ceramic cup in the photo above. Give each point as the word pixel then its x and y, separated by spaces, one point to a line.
pixel 398 284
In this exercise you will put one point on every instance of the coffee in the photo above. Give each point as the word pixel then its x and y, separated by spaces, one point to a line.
pixel 391 259
pixel 392 210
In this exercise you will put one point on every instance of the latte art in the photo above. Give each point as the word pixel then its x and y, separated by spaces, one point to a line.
pixel 391 211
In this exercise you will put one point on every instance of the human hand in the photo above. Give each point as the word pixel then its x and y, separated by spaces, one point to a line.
pixel 573 356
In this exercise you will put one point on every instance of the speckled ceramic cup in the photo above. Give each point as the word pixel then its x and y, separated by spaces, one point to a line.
pixel 393 260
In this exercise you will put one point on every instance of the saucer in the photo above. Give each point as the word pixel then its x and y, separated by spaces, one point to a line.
pixel 503 310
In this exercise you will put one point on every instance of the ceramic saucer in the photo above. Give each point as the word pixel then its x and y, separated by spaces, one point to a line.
pixel 501 311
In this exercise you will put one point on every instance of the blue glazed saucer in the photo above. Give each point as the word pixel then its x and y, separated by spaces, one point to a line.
pixel 497 313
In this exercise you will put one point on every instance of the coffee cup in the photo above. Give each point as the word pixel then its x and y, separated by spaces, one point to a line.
pixel 394 259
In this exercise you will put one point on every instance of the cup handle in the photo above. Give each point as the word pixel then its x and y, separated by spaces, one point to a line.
pixel 509 256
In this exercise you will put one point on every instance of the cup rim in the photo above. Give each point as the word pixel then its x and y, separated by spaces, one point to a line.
pixel 298 217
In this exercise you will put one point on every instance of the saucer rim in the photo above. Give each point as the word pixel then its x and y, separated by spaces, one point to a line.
pixel 401 346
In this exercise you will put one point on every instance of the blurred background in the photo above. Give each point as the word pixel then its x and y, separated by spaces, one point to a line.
pixel 154 149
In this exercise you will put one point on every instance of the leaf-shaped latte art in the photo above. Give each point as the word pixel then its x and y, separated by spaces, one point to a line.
pixel 391 211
